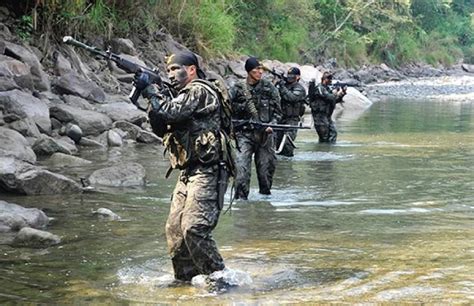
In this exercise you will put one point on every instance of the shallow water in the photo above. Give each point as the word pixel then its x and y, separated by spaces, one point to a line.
pixel 386 215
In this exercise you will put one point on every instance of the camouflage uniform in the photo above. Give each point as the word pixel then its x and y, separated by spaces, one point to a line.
pixel 323 102
pixel 191 126
pixel 260 102
pixel 292 106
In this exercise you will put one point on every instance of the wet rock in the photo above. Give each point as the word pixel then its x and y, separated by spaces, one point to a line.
pixel 105 213
pixel 26 127
pixel 22 178
pixel 124 175
pixel 15 145
pixel 114 139
pixel 67 143
pixel 25 105
pixel 87 142
pixel 90 122
pixel 148 137
pixel 122 111
pixel 65 160
pixel 131 130
pixel 33 238
pixel 45 146
pixel 40 78
pixel 72 83
pixel 14 217
pixel 74 132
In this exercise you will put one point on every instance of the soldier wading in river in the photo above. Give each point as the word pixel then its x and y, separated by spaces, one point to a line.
pixel 195 126
pixel 255 99
pixel 323 100
pixel 293 96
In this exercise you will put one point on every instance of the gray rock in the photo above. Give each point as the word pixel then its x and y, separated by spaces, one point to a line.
pixel 16 217
pixel 86 142
pixel 77 102
pixel 122 111
pixel 114 139
pixel 26 105
pixel 33 238
pixel 105 213
pixel 238 68
pixel 15 145
pixel 122 45
pixel 468 68
pixel 64 160
pixel 22 178
pixel 7 84
pixel 46 145
pixel 40 78
pixel 61 65
pixel 72 83
pixel 130 129
pixel 26 127
pixel 68 144
pixel 148 137
pixel 74 132
pixel 123 175
pixel 90 122
pixel 10 67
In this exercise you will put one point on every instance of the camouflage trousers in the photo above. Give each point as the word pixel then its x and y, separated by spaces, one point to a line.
pixel 259 144
pixel 288 149
pixel 193 215
pixel 325 127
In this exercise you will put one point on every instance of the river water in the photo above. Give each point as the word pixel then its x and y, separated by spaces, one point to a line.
pixel 385 215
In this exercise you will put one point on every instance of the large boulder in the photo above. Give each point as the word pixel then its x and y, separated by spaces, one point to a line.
pixel 46 145
pixel 123 175
pixel 123 45
pixel 131 130
pixel 72 83
pixel 15 145
pixel 65 160
pixel 122 111
pixel 14 217
pixel 26 127
pixel 33 238
pixel 25 105
pixel 90 122
pixel 22 178
pixel 40 78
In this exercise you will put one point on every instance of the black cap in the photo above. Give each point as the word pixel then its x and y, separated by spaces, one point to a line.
pixel 294 70
pixel 186 58
pixel 251 63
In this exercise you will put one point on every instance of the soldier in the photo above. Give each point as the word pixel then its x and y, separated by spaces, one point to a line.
pixel 195 134
pixel 322 101
pixel 255 99
pixel 293 96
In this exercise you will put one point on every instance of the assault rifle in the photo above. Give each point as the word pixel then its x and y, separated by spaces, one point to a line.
pixel 129 66
pixel 251 124
pixel 338 85
pixel 273 72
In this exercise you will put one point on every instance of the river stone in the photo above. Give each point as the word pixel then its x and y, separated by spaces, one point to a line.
pixel 148 137
pixel 238 68
pixel 77 102
pixel 64 160
pixel 22 178
pixel 7 84
pixel 33 238
pixel 46 145
pixel 14 144
pixel 16 217
pixel 26 105
pixel 40 78
pixel 121 111
pixel 90 122
pixel 61 65
pixel 105 213
pixel 87 142
pixel 114 139
pixel 123 45
pixel 123 175
pixel 74 132
pixel 468 68
pixel 26 127
pixel 130 129
pixel 72 83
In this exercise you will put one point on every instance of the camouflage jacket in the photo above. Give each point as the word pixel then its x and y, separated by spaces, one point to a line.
pixel 321 99
pixel 190 125
pixel 259 102
pixel 292 100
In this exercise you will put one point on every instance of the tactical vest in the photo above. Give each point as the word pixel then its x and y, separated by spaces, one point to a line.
pixel 262 97
pixel 292 109
pixel 205 139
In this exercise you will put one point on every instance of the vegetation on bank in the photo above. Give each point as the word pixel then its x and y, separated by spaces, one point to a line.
pixel 355 32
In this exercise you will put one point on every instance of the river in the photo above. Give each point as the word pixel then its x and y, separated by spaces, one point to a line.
pixel 385 215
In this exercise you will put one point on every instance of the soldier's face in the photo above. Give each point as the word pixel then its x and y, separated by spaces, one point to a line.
pixel 256 74
pixel 179 75
pixel 292 78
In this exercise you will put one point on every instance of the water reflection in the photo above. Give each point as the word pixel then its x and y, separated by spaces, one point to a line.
pixel 383 216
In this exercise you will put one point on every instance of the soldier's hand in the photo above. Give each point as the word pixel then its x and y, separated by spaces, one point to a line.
pixel 141 80
pixel 269 130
